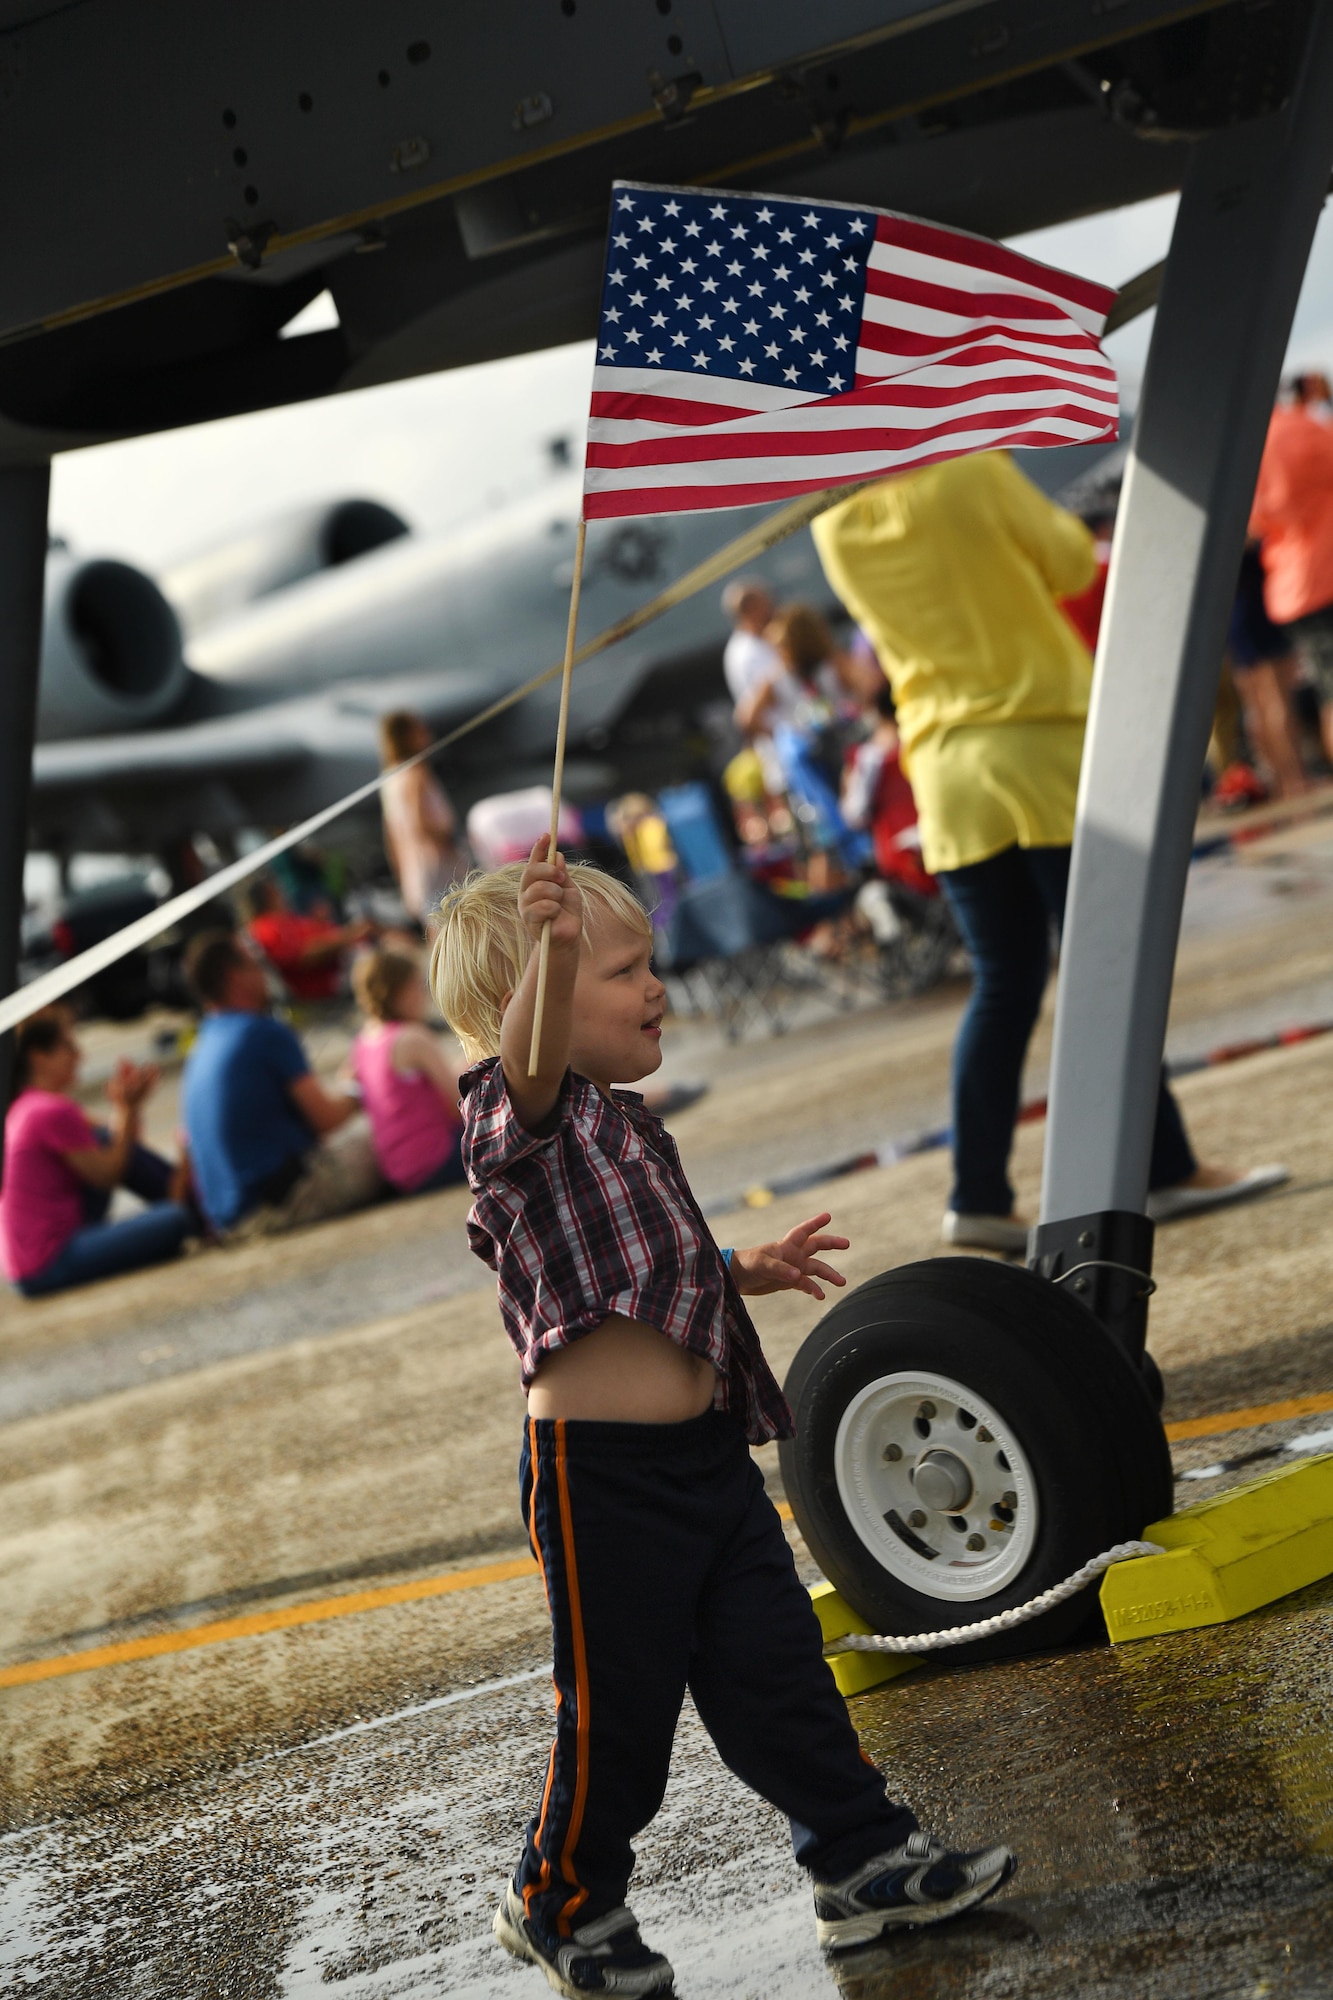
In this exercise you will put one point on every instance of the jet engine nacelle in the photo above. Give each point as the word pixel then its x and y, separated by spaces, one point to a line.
pixel 111 650
pixel 211 586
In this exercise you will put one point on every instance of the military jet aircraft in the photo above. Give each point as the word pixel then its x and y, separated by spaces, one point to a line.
pixel 301 632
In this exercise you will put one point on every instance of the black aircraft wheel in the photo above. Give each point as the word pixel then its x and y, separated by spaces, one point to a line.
pixel 967 1435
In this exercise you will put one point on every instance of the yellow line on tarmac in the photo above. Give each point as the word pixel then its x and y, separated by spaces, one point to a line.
pixel 154 1647
pixel 353 1602
pixel 1246 1420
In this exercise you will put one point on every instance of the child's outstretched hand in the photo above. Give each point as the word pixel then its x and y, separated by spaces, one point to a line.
pixel 792 1265
pixel 545 891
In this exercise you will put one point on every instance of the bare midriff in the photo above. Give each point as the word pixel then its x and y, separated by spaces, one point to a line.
pixel 623 1372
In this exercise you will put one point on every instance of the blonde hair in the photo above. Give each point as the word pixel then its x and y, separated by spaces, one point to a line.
pixel 378 977
pixel 481 947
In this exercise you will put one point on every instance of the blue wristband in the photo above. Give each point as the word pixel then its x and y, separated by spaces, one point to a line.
pixel 727 1257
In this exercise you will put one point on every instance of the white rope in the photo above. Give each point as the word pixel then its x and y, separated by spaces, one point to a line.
pixel 1003 1621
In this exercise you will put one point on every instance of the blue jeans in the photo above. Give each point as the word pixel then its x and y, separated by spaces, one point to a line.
pixel 102 1249
pixel 1006 907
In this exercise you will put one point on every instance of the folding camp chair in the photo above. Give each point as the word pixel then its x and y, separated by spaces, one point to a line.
pixel 729 938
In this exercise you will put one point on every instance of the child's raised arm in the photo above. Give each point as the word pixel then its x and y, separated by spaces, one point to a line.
pixel 545 891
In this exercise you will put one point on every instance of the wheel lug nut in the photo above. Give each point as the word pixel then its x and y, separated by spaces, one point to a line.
pixel 892 1453
pixel 927 1410
pixel 1009 1499
pixel 916 1519
pixel 983 1435
pixel 976 1541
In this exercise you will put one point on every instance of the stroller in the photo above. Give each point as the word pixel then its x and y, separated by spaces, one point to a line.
pixel 908 914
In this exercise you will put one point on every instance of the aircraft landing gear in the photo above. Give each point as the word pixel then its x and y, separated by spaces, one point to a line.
pixel 967 1436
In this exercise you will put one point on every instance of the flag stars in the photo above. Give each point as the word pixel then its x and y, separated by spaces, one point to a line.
pixel 785 236
pixel 693 229
pixel 811 220
pixel 714 249
pixel 822 319
pixel 709 284
pixel 760 250
pixel 668 245
pixel 672 208
pixel 733 270
pixel 739 229
pixel 840 341
pixel 756 290
pixel 664 281
pixel 717 211
pixel 778 311
pixel 818 358
pixel 746 367
pixel 789 374
pixel 658 319
pixel 796 333
pixel 684 302
pixel 835 383
pixel 621 242
pixel 613 314
pixel 641 262
pixel 654 355
pixel 616 278
pixel 765 215
pixel 850 264
pixel 678 339
pixel 772 350
pixel 845 303
pixel 726 343
pixel 646 222
pixel 705 323
pixel 625 201
pixel 688 267
pixel 857 225
pixel 751 327
pixel 636 298
pixel 831 241
pixel 807 257
pixel 633 336
pixel 700 359
pixel 802 295
pixel 781 271
pixel 828 278
pixel 730 305
pixel 608 353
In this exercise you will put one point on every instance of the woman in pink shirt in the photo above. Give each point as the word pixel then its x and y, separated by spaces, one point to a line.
pixel 60 1171
pixel 408 1085
pixel 1292 519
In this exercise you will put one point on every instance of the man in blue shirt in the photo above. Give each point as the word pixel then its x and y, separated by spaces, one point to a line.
pixel 254 1114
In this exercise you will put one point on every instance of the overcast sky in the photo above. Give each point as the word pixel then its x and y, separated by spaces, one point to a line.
pixel 444 446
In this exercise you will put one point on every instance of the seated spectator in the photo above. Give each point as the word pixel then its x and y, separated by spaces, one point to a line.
pixel 409 1085
pixel 810 743
pixel 877 798
pixel 260 1125
pixel 61 1170
pixel 308 953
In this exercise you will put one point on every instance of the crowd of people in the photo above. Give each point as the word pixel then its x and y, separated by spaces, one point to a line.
pixel 938 749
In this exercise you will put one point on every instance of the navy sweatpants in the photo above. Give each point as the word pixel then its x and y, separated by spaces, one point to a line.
pixel 666 1567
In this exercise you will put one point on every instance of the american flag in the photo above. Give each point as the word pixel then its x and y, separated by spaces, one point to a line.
pixel 752 347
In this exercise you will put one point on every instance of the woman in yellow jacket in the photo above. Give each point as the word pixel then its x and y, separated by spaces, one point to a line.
pixel 955 573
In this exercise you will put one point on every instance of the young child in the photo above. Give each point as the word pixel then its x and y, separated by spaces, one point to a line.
pixel 665 1563
pixel 408 1084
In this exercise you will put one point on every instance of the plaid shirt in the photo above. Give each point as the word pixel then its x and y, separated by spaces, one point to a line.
pixel 596 1218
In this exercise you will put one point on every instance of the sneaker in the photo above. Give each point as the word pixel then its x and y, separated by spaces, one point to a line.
pixel 1174 1204
pixel 920 1882
pixel 605 1956
pixel 985 1232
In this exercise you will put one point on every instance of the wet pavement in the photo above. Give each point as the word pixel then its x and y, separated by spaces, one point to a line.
pixel 333 1806
pixel 1171 1801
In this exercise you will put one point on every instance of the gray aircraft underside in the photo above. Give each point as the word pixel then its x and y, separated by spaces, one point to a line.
pixel 291 662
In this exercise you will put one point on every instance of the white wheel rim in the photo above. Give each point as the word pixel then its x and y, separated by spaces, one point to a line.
pixel 972 1453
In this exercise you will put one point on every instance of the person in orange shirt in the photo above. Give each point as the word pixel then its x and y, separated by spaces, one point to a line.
pixel 1292 518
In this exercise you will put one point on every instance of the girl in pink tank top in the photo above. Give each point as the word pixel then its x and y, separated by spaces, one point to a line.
pixel 409 1086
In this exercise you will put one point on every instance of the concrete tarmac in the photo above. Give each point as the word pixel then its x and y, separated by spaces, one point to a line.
pixel 316 1440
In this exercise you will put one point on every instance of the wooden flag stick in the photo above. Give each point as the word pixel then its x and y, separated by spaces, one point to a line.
pixel 557 779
